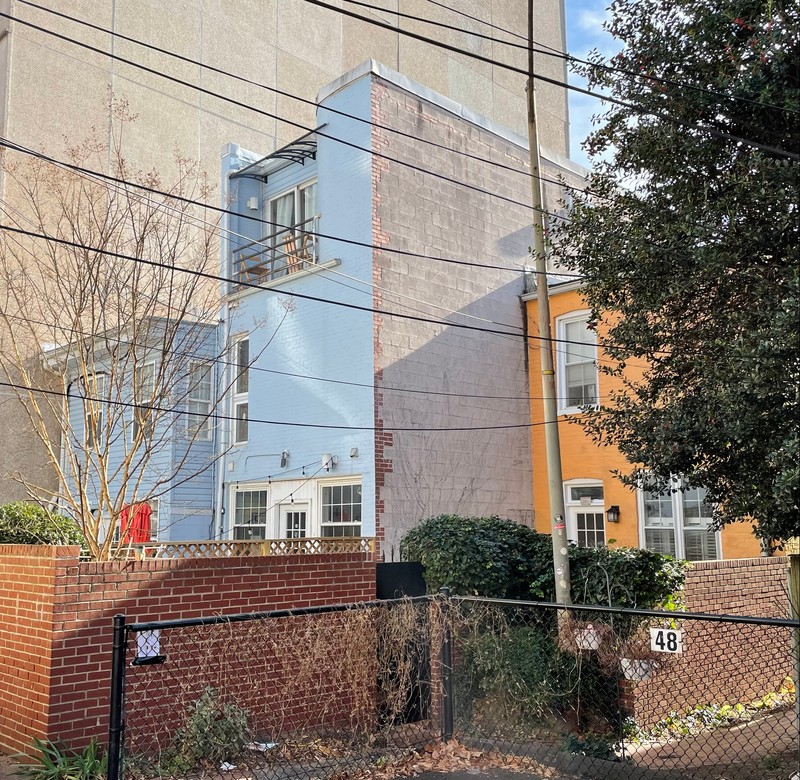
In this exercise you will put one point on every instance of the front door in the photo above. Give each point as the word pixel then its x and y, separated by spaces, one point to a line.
pixel 294 521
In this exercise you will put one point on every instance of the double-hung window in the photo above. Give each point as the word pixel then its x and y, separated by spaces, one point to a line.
pixel 677 521
pixel 576 347
pixel 143 394
pixel 341 510
pixel 198 405
pixel 241 390
pixel 94 410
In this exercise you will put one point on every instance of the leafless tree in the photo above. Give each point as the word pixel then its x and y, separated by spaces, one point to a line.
pixel 109 330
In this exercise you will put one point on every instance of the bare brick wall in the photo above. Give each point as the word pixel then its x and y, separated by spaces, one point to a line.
pixel 748 586
pixel 723 663
pixel 56 613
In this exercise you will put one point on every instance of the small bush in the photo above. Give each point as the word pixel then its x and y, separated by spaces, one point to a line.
pixel 214 732
pixel 27 523
pixel 57 762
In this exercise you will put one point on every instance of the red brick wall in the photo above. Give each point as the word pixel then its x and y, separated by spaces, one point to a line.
pixel 723 663
pixel 749 586
pixel 56 613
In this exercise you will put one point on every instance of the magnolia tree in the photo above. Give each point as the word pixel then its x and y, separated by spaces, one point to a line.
pixel 692 268
pixel 110 332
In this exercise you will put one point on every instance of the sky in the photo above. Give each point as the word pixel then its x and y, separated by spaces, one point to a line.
pixel 584 32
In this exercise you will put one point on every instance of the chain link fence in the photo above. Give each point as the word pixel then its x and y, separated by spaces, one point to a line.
pixel 592 692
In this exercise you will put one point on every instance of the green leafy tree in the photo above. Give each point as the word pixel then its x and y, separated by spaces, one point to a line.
pixel 688 238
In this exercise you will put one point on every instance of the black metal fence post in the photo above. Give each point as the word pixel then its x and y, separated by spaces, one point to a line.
pixel 116 719
pixel 447 667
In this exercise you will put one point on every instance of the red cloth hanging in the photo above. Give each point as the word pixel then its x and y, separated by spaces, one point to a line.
pixel 134 524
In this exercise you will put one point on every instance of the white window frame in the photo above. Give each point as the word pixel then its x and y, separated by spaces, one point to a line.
pixel 198 422
pixel 94 415
pixel 297 191
pixel 269 517
pixel 595 504
pixel 679 526
pixel 340 482
pixel 141 415
pixel 561 349
pixel 240 398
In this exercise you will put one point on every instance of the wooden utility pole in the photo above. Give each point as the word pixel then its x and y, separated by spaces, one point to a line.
pixel 552 443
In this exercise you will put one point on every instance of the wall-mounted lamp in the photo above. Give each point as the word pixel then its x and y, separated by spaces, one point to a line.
pixel 252 203
pixel 329 461
pixel 354 452
pixel 612 513
pixel 284 459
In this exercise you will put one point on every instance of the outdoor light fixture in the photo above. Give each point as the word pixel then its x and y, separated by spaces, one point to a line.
pixel 354 452
pixel 612 513
pixel 329 461
pixel 284 459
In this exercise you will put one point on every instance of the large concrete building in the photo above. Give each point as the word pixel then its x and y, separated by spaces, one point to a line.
pixel 54 91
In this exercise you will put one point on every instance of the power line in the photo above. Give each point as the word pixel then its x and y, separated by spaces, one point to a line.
pixel 549 51
pixel 319 132
pixel 565 85
pixel 283 93
pixel 252 367
pixel 232 418
pixel 218 209
pixel 273 290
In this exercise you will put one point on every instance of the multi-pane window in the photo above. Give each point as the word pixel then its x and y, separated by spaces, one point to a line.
pixel 198 405
pixel 143 394
pixel 250 510
pixel 94 407
pixel 341 510
pixel 241 389
pixel 678 522
pixel 291 215
pixel 577 363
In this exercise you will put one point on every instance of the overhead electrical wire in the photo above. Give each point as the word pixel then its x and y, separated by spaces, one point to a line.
pixel 231 212
pixel 547 80
pixel 326 426
pixel 319 132
pixel 283 93
pixel 550 51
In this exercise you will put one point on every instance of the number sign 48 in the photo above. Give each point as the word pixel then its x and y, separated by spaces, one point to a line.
pixel 666 640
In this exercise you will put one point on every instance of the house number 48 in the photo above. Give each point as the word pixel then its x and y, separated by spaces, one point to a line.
pixel 666 640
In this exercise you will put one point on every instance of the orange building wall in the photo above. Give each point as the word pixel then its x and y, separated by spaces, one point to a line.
pixel 582 458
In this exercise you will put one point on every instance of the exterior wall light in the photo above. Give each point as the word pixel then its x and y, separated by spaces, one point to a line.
pixel 612 513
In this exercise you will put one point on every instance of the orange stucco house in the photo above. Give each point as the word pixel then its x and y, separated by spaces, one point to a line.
pixel 677 524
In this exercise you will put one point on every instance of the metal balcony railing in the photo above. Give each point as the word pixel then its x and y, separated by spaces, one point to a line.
pixel 282 253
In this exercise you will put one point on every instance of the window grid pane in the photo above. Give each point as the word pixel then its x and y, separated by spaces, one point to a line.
pixel 341 510
pixel 250 515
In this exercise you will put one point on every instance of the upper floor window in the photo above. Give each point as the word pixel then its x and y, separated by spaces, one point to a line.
pixel 94 408
pixel 144 387
pixel 241 390
pixel 576 348
pixel 677 521
pixel 198 425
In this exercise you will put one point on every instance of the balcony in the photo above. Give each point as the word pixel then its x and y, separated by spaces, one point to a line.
pixel 281 254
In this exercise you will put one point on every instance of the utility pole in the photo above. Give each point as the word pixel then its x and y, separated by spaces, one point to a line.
pixel 552 444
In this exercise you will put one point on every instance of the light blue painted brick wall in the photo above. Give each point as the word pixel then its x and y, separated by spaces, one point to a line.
pixel 312 338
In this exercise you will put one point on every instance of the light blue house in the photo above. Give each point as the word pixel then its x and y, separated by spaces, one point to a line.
pixel 374 318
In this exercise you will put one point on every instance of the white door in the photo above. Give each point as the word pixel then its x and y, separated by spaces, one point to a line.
pixel 294 521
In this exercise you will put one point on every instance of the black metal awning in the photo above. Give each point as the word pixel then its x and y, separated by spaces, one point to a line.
pixel 298 151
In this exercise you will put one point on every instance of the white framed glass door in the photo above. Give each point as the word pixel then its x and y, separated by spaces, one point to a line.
pixel 294 521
